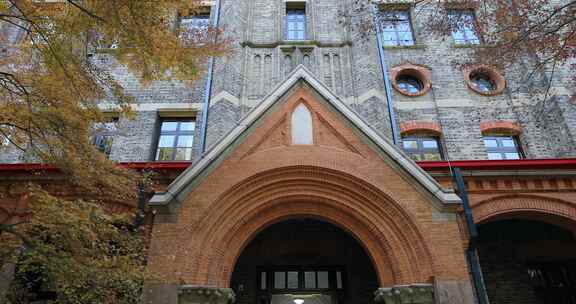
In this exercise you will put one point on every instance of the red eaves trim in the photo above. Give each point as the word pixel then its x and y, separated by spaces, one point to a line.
pixel 516 164
pixel 133 165
pixel 520 164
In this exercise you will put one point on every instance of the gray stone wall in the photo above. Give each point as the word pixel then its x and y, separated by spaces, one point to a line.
pixel 349 65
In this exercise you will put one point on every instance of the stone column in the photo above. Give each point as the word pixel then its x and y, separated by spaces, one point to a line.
pixel 406 294
pixel 205 295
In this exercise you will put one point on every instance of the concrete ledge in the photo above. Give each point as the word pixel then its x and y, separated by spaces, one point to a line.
pixel 156 293
pixel 188 294
pixel 405 294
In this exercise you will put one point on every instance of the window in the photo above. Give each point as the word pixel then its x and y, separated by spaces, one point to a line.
pixel 176 140
pixel 396 28
pixel 502 147
pixel 422 148
pixel 195 27
pixel 482 82
pixel 296 23
pixel 299 279
pixel 409 84
pixel 464 27
pixel 103 135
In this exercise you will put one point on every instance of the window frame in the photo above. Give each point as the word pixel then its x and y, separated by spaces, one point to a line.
pixel 500 149
pixel 304 22
pixel 421 151
pixel 102 132
pixel 465 13
pixel 332 279
pixel 202 18
pixel 383 21
pixel 176 133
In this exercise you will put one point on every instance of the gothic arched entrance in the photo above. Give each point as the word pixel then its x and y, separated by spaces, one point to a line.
pixel 304 261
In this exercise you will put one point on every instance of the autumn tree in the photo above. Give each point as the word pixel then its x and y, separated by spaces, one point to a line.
pixel 52 94
pixel 72 252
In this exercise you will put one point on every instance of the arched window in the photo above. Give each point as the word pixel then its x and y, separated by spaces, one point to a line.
pixel 302 132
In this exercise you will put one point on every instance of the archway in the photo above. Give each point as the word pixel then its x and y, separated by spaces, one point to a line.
pixel 304 261
pixel 528 258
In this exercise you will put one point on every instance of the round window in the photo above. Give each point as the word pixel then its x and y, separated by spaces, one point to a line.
pixel 409 84
pixel 482 82
pixel 411 80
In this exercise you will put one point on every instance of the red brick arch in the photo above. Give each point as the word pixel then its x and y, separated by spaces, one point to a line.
pixel 511 205
pixel 420 126
pixel 388 234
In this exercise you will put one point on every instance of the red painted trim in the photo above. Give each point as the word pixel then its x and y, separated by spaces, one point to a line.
pixel 132 165
pixel 517 164
pixel 520 164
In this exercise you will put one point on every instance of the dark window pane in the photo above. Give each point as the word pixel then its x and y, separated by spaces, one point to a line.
pixel 263 281
pixel 339 280
pixel 483 82
pixel 323 279
pixel 165 154
pixel 310 279
pixel 409 84
pixel 280 280
pixel 293 279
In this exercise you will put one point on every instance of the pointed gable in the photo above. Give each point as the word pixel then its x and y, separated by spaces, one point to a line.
pixel 323 121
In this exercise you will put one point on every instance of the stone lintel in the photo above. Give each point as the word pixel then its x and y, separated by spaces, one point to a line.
pixel 188 294
pixel 406 294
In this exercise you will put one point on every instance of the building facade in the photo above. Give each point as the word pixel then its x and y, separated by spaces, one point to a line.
pixel 316 165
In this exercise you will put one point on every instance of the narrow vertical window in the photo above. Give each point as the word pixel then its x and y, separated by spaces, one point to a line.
pixel 103 135
pixel 302 132
pixel 296 22
pixel 463 25
pixel 396 28
pixel 176 140
pixel 194 28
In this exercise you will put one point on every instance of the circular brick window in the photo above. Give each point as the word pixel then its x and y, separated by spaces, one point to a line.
pixel 484 80
pixel 411 80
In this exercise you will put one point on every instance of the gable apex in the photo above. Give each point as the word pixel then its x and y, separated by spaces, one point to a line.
pixel 179 189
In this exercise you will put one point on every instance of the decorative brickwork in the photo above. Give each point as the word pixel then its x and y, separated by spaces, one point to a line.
pixel 423 126
pixel 340 179
pixel 522 204
pixel 500 126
